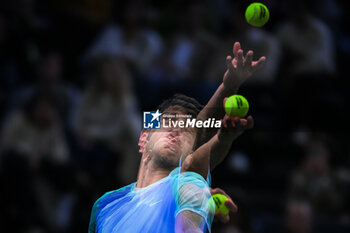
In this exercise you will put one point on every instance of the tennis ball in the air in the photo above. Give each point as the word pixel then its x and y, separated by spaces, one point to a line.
pixel 236 106
pixel 257 14
pixel 219 200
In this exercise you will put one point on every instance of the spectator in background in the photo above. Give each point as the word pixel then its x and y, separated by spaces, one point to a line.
pixel 7 66
pixel 33 140
pixel 307 44
pixel 192 46
pixel 49 81
pixel 298 217
pixel 315 182
pixel 36 132
pixel 184 65
pixel 107 121
pixel 127 38
pixel 28 26
pixel 308 64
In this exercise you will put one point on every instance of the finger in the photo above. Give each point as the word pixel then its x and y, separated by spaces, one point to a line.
pixel 221 217
pixel 243 122
pixel 232 122
pixel 224 123
pixel 249 59
pixel 236 47
pixel 250 122
pixel 231 206
pixel 237 123
pixel 229 63
pixel 224 101
pixel 259 64
pixel 227 122
pixel 217 190
pixel 240 59
pixel 228 203
pixel 213 191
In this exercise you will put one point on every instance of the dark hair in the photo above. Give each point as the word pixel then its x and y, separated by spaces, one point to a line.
pixel 192 106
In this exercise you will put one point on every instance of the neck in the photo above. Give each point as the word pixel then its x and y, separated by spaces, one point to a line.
pixel 149 174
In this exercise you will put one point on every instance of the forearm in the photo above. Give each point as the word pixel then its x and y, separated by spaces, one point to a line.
pixel 213 109
pixel 209 154
pixel 239 69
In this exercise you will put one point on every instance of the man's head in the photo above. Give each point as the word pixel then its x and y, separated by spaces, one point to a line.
pixel 298 216
pixel 165 146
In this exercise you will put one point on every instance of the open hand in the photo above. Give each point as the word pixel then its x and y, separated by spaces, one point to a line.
pixel 240 68
pixel 235 125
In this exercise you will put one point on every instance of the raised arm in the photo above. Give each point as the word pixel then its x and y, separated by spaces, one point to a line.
pixel 239 69
pixel 211 153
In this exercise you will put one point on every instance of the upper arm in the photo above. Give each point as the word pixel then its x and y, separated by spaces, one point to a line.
pixel 195 164
pixel 200 160
pixel 194 211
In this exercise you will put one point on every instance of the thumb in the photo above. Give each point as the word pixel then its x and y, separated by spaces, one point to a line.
pixel 224 101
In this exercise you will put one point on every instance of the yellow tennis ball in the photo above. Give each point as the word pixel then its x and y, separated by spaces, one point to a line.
pixel 219 200
pixel 257 14
pixel 236 106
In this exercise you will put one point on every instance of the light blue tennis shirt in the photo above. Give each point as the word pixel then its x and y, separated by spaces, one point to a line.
pixel 155 208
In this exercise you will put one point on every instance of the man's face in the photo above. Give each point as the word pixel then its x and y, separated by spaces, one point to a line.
pixel 167 145
pixel 299 217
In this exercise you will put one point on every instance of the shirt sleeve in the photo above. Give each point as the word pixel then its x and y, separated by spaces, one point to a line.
pixel 96 208
pixel 192 194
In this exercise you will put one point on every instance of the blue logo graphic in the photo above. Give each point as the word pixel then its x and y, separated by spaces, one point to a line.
pixel 151 120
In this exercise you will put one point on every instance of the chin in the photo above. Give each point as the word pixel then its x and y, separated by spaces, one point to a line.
pixel 167 161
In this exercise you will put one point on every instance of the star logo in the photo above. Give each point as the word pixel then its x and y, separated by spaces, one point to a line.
pixel 151 120
pixel 156 115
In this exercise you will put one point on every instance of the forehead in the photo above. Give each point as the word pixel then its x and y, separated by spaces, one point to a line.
pixel 175 113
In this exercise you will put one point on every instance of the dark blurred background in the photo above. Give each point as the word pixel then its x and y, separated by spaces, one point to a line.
pixel 75 76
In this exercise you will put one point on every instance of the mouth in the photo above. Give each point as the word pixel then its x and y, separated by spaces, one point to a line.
pixel 173 144
pixel 173 149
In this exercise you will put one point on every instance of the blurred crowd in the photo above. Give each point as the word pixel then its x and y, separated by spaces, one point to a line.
pixel 75 76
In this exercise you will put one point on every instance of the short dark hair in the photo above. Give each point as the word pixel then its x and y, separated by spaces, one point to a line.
pixel 192 106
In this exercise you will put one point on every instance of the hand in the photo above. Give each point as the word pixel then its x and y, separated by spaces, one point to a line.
pixel 231 206
pixel 235 125
pixel 240 68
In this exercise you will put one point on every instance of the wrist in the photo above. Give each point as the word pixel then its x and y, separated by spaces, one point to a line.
pixel 230 89
pixel 225 138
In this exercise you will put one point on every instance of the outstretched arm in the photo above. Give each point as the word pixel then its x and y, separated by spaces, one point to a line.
pixel 211 153
pixel 239 69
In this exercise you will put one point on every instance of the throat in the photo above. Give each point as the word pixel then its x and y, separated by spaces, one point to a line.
pixel 148 175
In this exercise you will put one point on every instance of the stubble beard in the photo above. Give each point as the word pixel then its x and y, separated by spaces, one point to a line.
pixel 163 162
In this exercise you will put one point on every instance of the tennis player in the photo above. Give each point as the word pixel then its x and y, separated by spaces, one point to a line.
pixel 172 191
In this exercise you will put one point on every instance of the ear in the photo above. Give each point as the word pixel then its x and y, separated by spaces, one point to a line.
pixel 143 140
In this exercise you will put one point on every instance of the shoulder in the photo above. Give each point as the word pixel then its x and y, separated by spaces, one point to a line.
pixel 195 170
pixel 103 201
pixel 180 178
pixel 112 195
